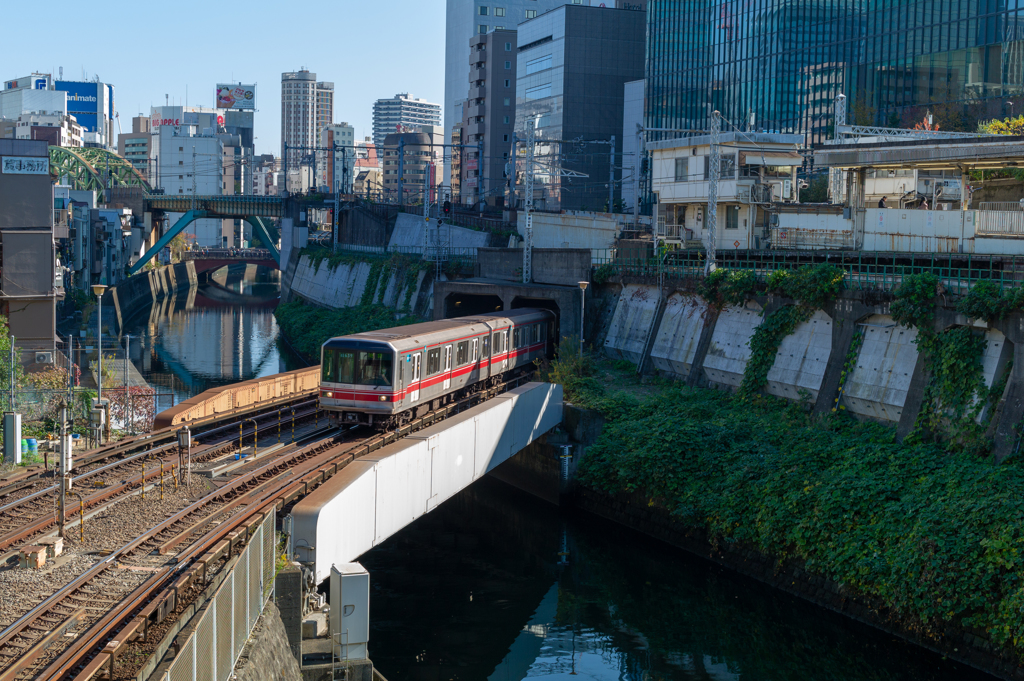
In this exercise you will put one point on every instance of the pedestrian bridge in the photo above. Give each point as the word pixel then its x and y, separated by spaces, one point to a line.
pixel 210 259
pixel 377 495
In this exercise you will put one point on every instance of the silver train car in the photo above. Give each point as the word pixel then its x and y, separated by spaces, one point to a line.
pixel 390 376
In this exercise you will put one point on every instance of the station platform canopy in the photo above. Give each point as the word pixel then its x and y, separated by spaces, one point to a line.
pixel 962 153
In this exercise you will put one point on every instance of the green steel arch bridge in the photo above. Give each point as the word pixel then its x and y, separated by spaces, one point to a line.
pixel 89 168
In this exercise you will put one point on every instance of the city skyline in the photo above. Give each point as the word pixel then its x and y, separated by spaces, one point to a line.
pixel 142 79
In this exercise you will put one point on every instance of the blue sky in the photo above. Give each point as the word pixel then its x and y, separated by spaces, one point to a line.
pixel 369 49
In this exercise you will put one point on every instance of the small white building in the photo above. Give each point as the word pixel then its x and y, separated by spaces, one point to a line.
pixel 757 169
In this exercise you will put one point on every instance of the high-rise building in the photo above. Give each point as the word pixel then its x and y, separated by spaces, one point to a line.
pixel 92 104
pixel 307 106
pixel 489 117
pixel 402 113
pixel 779 66
pixel 574 63
pixel 463 20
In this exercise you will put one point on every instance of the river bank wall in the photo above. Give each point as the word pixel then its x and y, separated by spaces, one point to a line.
pixel 145 288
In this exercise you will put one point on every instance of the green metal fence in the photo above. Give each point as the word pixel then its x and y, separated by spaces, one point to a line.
pixel 877 271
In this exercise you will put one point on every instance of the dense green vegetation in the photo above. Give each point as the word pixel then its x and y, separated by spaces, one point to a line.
pixel 937 535
pixel 306 327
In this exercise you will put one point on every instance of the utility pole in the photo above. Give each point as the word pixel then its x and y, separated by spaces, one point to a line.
pixel 510 171
pixel 401 171
pixel 715 159
pixel 611 176
pixel 64 468
pixel 127 395
pixel 835 175
pixel 531 131
pixel 636 174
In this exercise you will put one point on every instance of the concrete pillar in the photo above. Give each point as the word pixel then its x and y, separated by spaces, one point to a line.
pixel 845 313
pixel 697 368
pixel 289 598
pixel 1006 432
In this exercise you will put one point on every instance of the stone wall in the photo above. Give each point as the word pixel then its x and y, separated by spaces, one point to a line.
pixel 267 656
pixel 145 288
pixel 405 288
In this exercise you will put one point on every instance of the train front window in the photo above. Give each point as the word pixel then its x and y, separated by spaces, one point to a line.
pixel 353 367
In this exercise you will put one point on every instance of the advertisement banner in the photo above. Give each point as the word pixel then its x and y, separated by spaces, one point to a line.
pixel 165 115
pixel 83 102
pixel 231 96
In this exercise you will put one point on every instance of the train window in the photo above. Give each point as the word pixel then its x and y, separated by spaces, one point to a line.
pixel 338 365
pixel 461 353
pixel 485 346
pixel 498 347
pixel 341 365
pixel 433 361
pixel 473 345
pixel 536 333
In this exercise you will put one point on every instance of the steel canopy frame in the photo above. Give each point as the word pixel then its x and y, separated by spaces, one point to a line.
pixel 259 226
pixel 92 169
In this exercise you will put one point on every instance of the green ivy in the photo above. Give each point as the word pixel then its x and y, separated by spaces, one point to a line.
pixel 987 300
pixel 813 285
pixel 914 303
pixel 372 281
pixel 307 327
pixel 604 273
pixel 727 287
pixel 935 535
pixel 850 364
pixel 764 345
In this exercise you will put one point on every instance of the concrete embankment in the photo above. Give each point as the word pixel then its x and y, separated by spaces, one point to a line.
pixel 852 347
pixel 145 288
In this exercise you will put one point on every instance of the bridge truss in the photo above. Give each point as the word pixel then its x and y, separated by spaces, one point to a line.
pixel 88 168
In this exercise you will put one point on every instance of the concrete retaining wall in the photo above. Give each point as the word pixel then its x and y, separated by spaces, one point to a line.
pixel 345 285
pixel 685 339
pixel 145 288
pixel 408 234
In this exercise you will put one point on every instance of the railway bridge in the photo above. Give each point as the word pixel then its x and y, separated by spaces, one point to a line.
pixel 168 545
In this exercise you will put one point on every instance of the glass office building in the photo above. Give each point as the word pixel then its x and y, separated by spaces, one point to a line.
pixel 781 63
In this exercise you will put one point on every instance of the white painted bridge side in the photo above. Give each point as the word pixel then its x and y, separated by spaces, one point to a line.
pixel 377 495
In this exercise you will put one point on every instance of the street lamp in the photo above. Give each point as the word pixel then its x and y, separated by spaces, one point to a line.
pixel 583 309
pixel 98 290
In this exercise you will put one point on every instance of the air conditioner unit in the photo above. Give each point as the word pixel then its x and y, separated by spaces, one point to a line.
pixel 44 358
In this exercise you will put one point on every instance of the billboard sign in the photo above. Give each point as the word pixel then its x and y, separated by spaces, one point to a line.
pixel 25 165
pixel 36 81
pixel 236 96
pixel 165 115
pixel 83 102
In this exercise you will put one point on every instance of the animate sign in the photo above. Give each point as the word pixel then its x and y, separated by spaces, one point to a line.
pixel 25 165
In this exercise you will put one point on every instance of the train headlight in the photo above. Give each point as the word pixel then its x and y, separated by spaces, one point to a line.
pixel 383 398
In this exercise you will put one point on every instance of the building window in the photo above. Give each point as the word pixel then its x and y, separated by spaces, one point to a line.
pixel 504 138
pixel 539 91
pixel 531 13
pixel 681 169
pixel 506 120
pixel 508 101
pixel 508 64
pixel 483 11
pixel 507 82
pixel 482 28
pixel 538 64
pixel 732 217
pixel 508 47
pixel 499 11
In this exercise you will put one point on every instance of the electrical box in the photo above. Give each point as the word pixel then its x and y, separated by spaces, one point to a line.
pixel 12 438
pixel 350 611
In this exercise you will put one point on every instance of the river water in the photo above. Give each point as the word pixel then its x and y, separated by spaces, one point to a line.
pixel 495 585
pixel 219 333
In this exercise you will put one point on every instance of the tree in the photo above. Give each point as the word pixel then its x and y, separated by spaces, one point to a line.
pixel 1007 126
pixel 10 366
pixel 177 247
pixel 816 192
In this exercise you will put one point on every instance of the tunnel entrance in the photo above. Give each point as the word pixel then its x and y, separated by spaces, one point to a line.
pixel 467 304
pixel 542 304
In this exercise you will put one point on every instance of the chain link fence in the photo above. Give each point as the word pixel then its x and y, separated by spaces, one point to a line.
pixel 213 647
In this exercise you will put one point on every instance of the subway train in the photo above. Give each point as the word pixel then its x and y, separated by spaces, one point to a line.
pixel 387 377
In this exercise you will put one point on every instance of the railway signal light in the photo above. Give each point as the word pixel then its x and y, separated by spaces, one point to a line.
pixel 447 206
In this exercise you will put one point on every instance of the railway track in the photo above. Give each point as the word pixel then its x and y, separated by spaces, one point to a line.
pixel 147 578
pixel 35 512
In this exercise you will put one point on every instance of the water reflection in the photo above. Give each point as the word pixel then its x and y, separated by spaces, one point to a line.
pixel 475 590
pixel 221 332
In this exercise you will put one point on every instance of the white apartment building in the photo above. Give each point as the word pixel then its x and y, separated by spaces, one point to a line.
pixel 307 107
pixel 403 113
pixel 757 169
pixel 188 163
pixel 58 129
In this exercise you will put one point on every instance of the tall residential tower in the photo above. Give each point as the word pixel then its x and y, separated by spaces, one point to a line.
pixel 307 106
pixel 401 112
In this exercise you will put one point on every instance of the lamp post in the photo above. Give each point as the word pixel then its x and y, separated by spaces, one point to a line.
pixel 583 309
pixel 98 290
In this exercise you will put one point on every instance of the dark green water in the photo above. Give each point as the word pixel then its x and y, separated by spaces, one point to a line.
pixel 476 591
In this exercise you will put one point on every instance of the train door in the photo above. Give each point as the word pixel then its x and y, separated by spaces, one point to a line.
pixel 504 349
pixel 447 367
pixel 414 380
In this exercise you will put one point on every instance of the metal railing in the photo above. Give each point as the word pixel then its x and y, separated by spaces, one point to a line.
pixel 227 253
pixel 1002 221
pixel 1013 206
pixel 213 647
pixel 875 271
